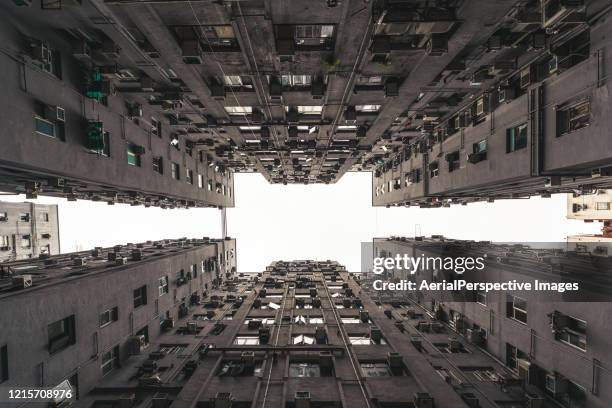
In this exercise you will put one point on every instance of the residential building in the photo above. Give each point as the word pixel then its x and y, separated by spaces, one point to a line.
pixel 556 342
pixel 80 316
pixel 28 230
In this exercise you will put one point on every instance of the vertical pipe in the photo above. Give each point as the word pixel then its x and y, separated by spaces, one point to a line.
pixel 223 223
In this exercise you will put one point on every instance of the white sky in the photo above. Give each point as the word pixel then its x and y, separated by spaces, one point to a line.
pixel 317 221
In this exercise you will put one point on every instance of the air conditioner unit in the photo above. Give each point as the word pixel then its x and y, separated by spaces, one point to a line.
pixel 135 344
pixel 556 385
pixel 248 358
pixel 82 52
pixel 293 116
pixel 350 115
pixel 553 181
pixel 222 400
pixel 556 11
pixel 477 157
pixel 559 321
pixel 423 400
pixel 391 87
pixel 127 400
pixel 22 281
pixel 534 401
pixel 217 89
pixel 191 51
pixel 528 76
pixel 474 336
pixel 506 94
pixel 317 89
pixel 302 399
pixel 120 260
pixel 160 400
pixel 471 400
pixel 437 45
pixel 482 105
pixel 394 360
pixel 147 85
pixel 375 333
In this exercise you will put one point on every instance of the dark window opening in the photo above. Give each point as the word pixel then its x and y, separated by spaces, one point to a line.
pixel 140 296
pixel 573 117
pixel 516 138
pixel 61 334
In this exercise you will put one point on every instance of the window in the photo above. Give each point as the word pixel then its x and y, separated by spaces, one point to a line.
pixel 513 355
pixel 569 330
pixel 239 110
pixel 44 216
pixel 307 320
pixel 308 109
pixel 219 36
pixel 481 297
pixel 61 334
pixel 140 296
pixel 264 320
pixel 479 152
pixel 246 340
pixel 303 339
pixel 351 320
pixel 158 164
pixel 156 127
pixel 296 80
pixel 516 138
pixel 516 308
pixel 175 170
pixel 360 341
pixel 5 242
pixel 346 128
pixel 44 127
pixel 375 370
pixel 133 154
pixel 480 146
pixel 4 374
pixel 210 185
pixel 367 108
pixel 239 369
pixel 163 285
pixel 602 206
pixel 304 370
pixel 26 241
pixel 313 34
pixel 573 117
pixel 434 171
pixel 110 360
pixel 145 333
pixel 3 216
pixel 237 81
pixel 109 316
pixel 454 161
pixel 25 217
pixel 372 80
pixel 189 176
pixel 200 181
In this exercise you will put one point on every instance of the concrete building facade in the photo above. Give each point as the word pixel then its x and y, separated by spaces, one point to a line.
pixel 28 230
pixel 78 316
pixel 300 334
pixel 556 342
pixel 73 135
pixel 534 120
